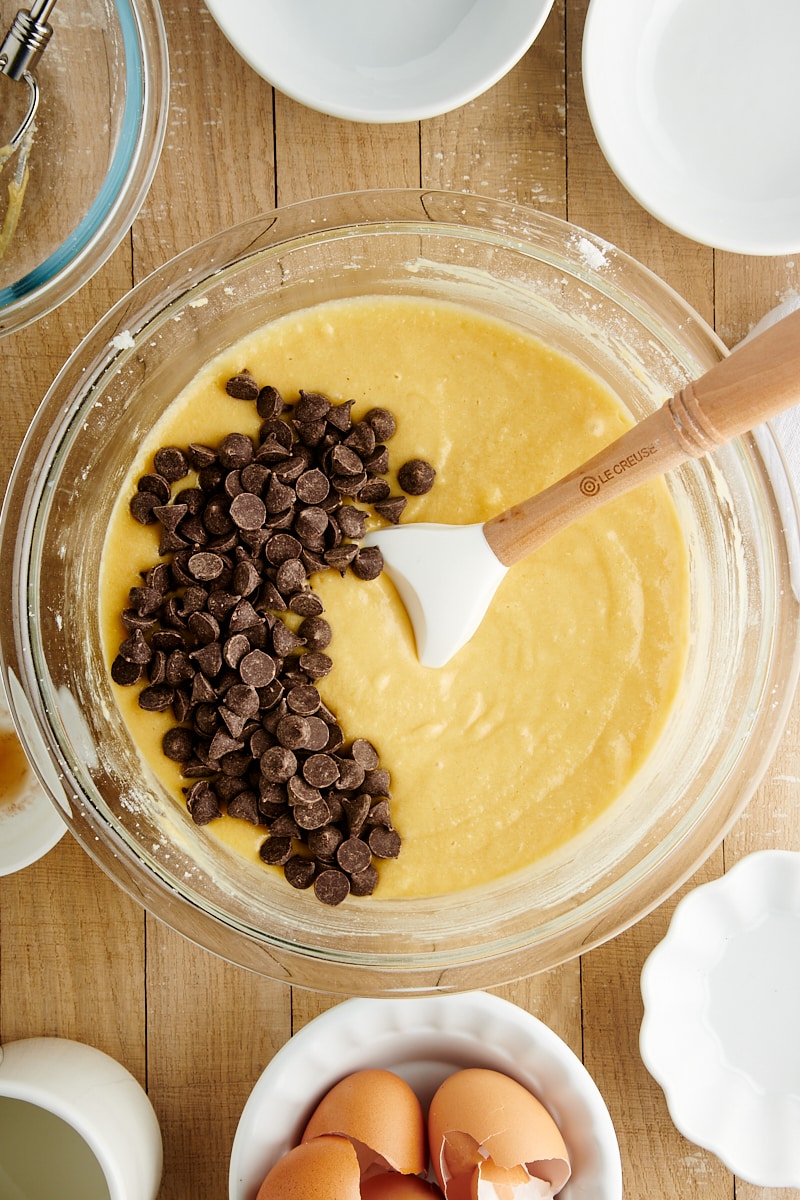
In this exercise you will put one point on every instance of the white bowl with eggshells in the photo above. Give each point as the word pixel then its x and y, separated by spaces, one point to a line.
pixel 425 1040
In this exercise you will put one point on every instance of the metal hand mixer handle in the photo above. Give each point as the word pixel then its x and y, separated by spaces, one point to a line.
pixel 20 52
pixel 26 39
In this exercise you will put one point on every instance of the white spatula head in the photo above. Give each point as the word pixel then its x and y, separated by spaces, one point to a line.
pixel 446 576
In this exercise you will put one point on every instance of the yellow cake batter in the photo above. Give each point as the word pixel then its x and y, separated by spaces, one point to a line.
pixel 536 726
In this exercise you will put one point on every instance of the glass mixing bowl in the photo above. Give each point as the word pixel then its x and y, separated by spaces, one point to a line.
pixel 104 92
pixel 566 287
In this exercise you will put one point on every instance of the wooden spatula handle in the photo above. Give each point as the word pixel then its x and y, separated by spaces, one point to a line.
pixel 758 381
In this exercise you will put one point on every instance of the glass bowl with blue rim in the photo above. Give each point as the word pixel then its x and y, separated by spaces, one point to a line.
pixel 103 82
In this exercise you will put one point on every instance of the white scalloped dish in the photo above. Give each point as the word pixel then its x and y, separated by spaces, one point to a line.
pixel 722 1006
pixel 424 1040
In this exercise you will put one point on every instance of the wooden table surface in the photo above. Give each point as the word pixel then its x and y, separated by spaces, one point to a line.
pixel 79 959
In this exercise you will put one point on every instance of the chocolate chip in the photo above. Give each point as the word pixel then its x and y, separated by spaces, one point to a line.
pixel 269 402
pixel 292 731
pixel 285 825
pixel 364 754
pixel 331 886
pixel 155 484
pixel 391 509
pixel 206 565
pixel 278 764
pixel 344 461
pixel 352 521
pixel 320 770
pixel 351 775
pixel 299 871
pixel 312 486
pixel 416 477
pixel 384 843
pixel 379 813
pixel 135 649
pixel 339 415
pixel 312 406
pixel 312 816
pixel 248 511
pixel 156 698
pixel 356 809
pixel 257 668
pixel 382 423
pixel 276 851
pixel 202 803
pixel 204 626
pixel 368 563
pixel 303 699
pixel 340 557
pixel 178 744
pixel 315 632
pixel 317 734
pixel 310 525
pixel 324 842
pixel 242 386
pixel 141 507
pixel 377 781
pixel 300 792
pixel 126 673
pixel 306 604
pixel 374 491
pixel 244 806
pixel 171 463
pixel 361 439
pixel 364 882
pixel 316 665
pixel 235 451
pixel 285 640
pixel 290 576
pixel 353 855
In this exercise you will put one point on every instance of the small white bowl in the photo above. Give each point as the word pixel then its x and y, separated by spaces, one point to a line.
pixel 722 998
pixel 99 1100
pixel 695 108
pixel 29 822
pixel 425 1039
pixel 381 62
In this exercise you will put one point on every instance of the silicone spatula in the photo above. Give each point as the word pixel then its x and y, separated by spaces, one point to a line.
pixel 447 575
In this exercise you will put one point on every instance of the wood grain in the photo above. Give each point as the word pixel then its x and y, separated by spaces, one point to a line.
pixel 80 959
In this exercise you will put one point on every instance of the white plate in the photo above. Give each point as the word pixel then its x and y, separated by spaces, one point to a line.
pixel 694 104
pixel 720 1029
pixel 378 62
pixel 425 1039
pixel 29 823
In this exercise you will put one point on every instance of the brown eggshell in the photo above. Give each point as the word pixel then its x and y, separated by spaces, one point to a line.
pixel 380 1113
pixel 479 1115
pixel 325 1169
pixel 391 1186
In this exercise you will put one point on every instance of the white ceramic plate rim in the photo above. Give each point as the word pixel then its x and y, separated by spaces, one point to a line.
pixel 753 1131
pixel 410 62
pixel 697 117
pixel 424 1039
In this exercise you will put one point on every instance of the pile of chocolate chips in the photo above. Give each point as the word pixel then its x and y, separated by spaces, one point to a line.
pixel 208 639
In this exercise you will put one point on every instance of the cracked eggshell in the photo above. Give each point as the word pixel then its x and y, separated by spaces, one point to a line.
pixel 381 1115
pixel 489 1136
pixel 325 1169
